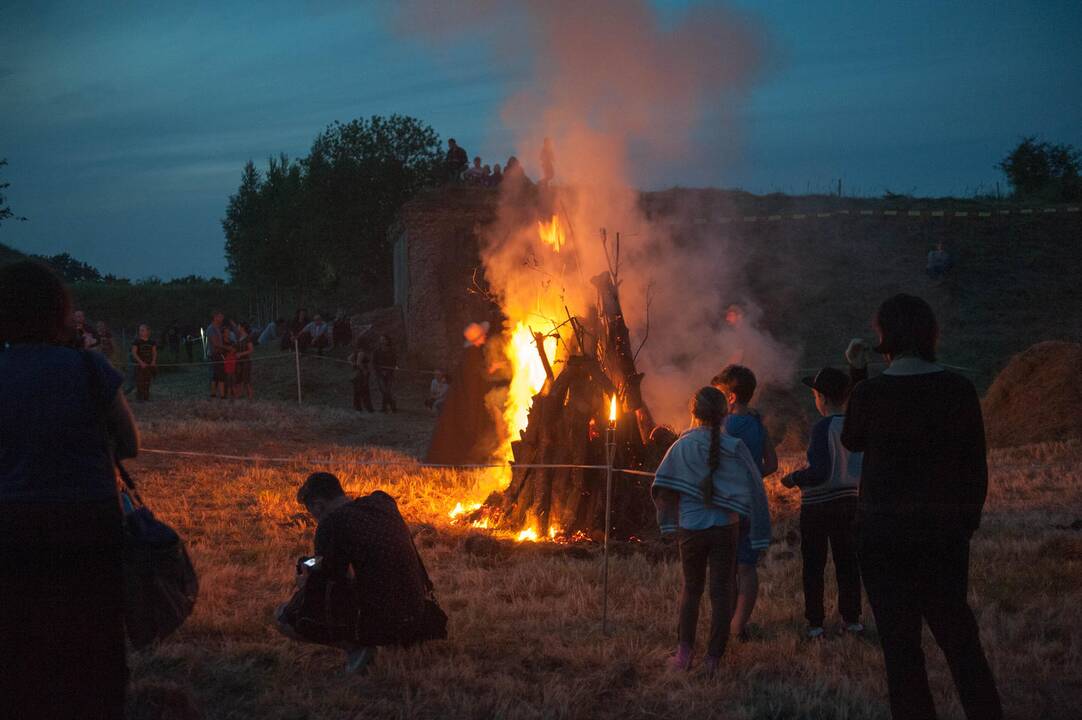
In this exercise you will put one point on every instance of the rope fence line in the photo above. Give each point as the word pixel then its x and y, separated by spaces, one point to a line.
pixel 483 466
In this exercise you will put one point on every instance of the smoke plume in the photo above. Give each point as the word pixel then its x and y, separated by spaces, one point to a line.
pixel 621 90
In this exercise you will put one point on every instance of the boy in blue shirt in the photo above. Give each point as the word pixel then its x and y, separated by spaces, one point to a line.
pixel 738 384
pixel 829 487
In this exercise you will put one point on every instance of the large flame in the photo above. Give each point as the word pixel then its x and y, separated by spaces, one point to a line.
pixel 552 233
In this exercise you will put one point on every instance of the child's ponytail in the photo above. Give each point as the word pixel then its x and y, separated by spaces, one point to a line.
pixel 710 408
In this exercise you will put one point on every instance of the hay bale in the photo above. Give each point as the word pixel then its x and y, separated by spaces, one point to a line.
pixel 1037 397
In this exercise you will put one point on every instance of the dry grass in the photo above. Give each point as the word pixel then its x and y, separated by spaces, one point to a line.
pixel 524 636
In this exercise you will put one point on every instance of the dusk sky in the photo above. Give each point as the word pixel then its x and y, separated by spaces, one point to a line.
pixel 126 125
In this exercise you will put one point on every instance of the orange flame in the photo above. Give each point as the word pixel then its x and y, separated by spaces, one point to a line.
pixel 528 535
pixel 552 233
pixel 612 410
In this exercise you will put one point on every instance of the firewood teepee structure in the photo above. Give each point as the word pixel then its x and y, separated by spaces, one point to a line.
pixel 566 428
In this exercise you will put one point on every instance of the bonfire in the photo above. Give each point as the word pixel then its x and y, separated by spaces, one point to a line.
pixel 573 377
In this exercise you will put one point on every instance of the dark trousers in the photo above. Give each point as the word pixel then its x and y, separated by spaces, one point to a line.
pixel 714 547
pixel 824 526
pixel 385 382
pixel 362 392
pixel 908 581
pixel 143 377
pixel 61 611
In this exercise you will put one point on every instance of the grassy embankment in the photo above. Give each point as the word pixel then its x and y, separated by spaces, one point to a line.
pixel 524 636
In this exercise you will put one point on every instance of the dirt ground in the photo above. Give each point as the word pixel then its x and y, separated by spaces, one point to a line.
pixel 525 639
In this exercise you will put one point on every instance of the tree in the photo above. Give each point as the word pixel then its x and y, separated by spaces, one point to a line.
pixel 5 211
pixel 70 269
pixel 1038 170
pixel 321 223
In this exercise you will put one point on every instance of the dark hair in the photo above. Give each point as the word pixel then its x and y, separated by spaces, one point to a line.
pixel 319 486
pixel 907 324
pixel 738 380
pixel 34 303
pixel 710 408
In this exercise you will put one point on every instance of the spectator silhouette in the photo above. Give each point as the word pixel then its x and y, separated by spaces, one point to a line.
pixel 63 419
pixel 457 160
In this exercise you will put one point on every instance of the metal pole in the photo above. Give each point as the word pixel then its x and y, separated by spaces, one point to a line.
pixel 610 452
pixel 297 361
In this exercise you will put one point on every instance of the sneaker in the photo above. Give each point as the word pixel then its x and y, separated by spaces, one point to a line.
pixel 358 659
pixel 854 628
pixel 682 659
pixel 814 633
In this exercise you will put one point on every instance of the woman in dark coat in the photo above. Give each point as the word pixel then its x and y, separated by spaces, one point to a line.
pixel 922 490
pixel 63 419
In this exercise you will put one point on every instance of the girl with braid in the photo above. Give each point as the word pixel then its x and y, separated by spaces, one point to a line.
pixel 705 484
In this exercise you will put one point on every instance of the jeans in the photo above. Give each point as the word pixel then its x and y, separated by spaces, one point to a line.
pixel 830 526
pixel 714 547
pixel 909 580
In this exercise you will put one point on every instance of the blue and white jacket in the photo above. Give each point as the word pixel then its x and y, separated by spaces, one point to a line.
pixel 738 486
pixel 832 472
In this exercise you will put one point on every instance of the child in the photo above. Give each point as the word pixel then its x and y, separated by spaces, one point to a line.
pixel 144 352
pixel 245 348
pixel 437 392
pixel 829 486
pixel 738 384
pixel 705 483
pixel 229 367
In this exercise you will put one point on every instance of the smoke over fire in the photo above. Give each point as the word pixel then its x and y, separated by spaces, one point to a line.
pixel 619 90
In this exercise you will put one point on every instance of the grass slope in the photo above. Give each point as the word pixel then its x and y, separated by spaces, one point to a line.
pixel 524 637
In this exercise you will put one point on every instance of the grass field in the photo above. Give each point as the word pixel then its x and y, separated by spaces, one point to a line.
pixel 524 637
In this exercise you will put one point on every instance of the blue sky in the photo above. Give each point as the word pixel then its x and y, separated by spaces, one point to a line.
pixel 126 124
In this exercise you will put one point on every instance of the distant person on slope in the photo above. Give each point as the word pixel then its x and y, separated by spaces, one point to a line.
pixel 385 362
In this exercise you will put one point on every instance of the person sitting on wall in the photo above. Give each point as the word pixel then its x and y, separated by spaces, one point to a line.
pixel 366 585
pixel 474 173
pixel 316 334
pixel 497 176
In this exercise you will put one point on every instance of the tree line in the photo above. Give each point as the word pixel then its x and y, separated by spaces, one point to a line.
pixel 319 224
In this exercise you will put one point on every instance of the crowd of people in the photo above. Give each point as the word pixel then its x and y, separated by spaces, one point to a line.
pixel 894 488
pixel 459 169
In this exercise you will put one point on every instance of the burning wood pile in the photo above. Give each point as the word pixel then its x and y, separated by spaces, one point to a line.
pixel 569 385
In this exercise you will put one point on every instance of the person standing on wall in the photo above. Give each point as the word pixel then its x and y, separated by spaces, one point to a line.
pixel 924 482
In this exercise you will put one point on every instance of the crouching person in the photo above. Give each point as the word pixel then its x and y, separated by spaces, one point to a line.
pixel 704 485
pixel 365 586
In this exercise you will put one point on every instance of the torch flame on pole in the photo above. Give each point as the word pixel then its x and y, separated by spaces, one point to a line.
pixel 612 411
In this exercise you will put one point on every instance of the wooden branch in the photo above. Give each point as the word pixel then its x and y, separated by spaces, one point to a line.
pixel 646 332
pixel 539 341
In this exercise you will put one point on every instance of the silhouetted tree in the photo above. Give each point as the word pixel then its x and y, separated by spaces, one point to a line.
pixel 70 269
pixel 1038 170
pixel 321 223
pixel 5 211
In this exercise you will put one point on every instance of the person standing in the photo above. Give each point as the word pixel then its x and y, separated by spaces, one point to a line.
pixel 738 384
pixel 829 486
pixel 361 362
pixel 386 362
pixel 144 352
pixel 105 341
pixel 925 478
pixel 245 347
pixel 215 338
pixel 171 340
pixel 63 418
pixel 702 487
